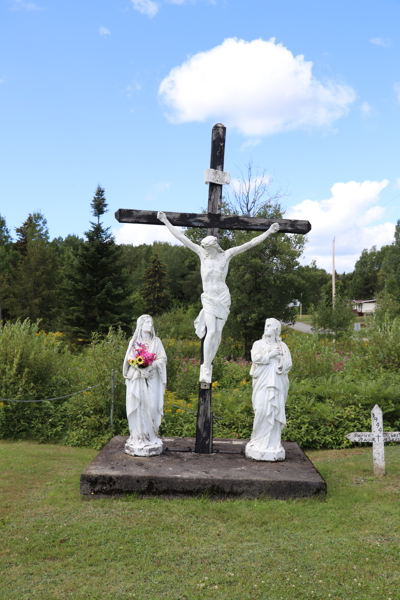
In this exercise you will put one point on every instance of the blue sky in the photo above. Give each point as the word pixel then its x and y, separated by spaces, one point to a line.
pixel 125 92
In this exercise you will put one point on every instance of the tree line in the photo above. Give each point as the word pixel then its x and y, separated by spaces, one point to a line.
pixel 80 286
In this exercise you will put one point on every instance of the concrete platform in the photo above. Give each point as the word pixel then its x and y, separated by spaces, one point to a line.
pixel 178 471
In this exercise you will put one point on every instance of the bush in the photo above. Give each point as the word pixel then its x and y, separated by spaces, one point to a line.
pixel 333 387
pixel 89 413
pixel 34 365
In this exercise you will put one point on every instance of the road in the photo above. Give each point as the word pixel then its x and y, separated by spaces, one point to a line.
pixel 303 327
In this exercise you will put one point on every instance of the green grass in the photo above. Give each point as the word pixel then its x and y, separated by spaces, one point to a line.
pixel 304 319
pixel 308 319
pixel 56 545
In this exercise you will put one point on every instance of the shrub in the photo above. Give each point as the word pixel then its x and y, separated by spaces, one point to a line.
pixel 34 365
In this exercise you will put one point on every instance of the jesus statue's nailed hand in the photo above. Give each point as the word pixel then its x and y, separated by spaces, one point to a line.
pixel 161 216
pixel 274 227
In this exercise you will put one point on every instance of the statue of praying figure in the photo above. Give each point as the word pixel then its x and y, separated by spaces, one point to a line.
pixel 145 373
pixel 271 364
pixel 215 299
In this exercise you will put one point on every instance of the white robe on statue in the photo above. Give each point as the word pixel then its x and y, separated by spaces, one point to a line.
pixel 145 397
pixel 270 391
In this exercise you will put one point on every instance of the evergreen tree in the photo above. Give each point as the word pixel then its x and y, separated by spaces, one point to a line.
pixel 99 204
pixel 96 296
pixel 155 292
pixel 34 228
pixel 31 287
pixel 33 290
pixel 8 261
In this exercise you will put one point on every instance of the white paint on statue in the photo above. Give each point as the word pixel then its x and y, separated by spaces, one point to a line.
pixel 215 299
pixel 271 363
pixel 145 386
pixel 377 437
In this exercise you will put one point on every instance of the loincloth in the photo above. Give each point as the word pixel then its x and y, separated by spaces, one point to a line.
pixel 218 307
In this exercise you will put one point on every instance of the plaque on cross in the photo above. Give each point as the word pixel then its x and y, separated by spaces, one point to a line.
pixel 214 267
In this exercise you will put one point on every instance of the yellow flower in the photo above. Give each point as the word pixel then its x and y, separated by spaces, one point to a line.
pixel 179 410
pixel 139 360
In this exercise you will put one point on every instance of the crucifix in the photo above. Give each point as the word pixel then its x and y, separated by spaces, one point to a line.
pixel 214 267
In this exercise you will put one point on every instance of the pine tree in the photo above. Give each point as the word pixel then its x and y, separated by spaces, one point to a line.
pixel 32 285
pixel 96 295
pixel 8 260
pixel 34 228
pixel 99 204
pixel 155 292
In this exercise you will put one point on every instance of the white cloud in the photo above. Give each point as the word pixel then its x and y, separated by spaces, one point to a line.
pixel 350 216
pixel 22 5
pixel 397 184
pixel 104 31
pixel 396 87
pixel 377 41
pixel 143 234
pixel 365 109
pixel 258 87
pixel 251 143
pixel 146 7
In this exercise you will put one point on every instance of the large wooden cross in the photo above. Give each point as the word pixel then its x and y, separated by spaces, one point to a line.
pixel 214 221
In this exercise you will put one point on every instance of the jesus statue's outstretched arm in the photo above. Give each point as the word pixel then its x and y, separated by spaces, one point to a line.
pixel 179 236
pixel 254 242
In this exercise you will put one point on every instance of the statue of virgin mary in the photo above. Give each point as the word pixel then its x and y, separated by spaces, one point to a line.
pixel 271 363
pixel 145 380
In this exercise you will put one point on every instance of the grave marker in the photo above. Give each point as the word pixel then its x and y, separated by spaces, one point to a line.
pixel 378 438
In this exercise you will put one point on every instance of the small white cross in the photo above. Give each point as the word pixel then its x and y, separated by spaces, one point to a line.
pixel 378 438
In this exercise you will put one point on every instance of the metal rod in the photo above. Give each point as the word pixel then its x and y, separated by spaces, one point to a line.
pixel 112 398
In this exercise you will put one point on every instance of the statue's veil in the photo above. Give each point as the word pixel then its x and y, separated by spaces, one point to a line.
pixel 137 335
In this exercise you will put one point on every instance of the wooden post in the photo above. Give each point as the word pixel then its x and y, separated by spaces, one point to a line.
pixel 216 163
pixel 204 413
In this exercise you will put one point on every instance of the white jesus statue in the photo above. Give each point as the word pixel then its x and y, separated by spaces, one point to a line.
pixel 215 299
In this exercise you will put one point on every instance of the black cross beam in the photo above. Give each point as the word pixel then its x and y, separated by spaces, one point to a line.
pixel 214 221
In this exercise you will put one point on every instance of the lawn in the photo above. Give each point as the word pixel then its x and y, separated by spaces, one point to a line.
pixel 308 319
pixel 56 545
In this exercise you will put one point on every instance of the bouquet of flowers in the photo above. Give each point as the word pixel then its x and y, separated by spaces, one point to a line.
pixel 141 357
